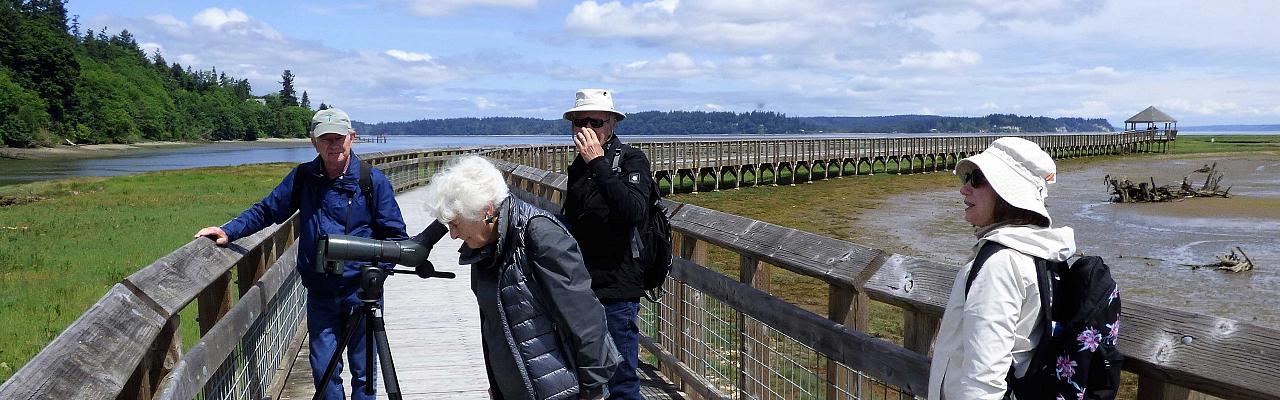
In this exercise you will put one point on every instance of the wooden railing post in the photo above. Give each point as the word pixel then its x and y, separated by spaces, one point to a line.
pixel 754 359
pixel 164 352
pixel 214 302
pixel 1152 388
pixel 848 307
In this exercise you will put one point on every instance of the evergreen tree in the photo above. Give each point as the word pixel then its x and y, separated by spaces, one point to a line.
pixel 288 96
pixel 306 102
pixel 323 106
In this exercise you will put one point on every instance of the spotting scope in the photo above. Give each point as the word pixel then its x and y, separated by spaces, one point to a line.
pixel 332 250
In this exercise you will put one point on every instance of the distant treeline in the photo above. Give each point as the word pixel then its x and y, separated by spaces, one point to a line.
pixel 641 123
pixel 58 83
pixel 934 123
pixel 756 122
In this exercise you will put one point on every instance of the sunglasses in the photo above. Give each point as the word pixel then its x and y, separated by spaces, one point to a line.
pixel 974 179
pixel 582 122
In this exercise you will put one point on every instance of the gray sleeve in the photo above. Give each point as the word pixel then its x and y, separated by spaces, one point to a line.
pixel 559 268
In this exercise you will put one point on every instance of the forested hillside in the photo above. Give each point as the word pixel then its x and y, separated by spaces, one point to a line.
pixel 58 83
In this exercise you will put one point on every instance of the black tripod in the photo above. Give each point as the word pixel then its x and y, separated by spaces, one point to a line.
pixel 375 332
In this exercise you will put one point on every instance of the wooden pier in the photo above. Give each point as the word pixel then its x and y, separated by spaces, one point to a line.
pixel 716 336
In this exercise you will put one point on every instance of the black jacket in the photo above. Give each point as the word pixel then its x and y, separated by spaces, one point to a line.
pixel 544 332
pixel 603 207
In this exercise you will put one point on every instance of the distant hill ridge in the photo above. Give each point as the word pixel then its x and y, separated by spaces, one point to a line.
pixel 755 122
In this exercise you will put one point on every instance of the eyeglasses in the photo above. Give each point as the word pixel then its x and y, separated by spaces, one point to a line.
pixel 974 179
pixel 595 123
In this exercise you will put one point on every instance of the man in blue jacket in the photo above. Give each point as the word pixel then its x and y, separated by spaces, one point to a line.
pixel 328 195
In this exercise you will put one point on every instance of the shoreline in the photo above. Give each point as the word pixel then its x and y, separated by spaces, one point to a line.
pixel 65 152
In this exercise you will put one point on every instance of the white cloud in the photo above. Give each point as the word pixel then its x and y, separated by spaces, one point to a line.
pixel 1100 72
pixel 945 25
pixel 150 48
pixel 481 102
pixel 671 66
pixel 408 56
pixel 214 18
pixel 1087 109
pixel 941 59
pixel 437 8
pixel 644 20
pixel 188 59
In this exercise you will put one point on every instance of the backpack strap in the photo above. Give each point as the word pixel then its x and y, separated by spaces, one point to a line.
pixel 984 253
pixel 366 189
pixel 1044 281
pixel 300 175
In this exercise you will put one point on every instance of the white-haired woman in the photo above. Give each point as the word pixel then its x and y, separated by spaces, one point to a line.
pixel 543 329
pixel 990 325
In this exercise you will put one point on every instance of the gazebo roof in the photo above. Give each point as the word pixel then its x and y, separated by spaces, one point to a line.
pixel 1151 114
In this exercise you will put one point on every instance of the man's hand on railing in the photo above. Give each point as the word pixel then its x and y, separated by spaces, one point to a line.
pixel 219 237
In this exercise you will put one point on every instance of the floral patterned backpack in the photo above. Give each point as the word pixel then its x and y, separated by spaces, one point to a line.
pixel 1076 357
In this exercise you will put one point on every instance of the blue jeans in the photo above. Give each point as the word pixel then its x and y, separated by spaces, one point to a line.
pixel 621 317
pixel 325 322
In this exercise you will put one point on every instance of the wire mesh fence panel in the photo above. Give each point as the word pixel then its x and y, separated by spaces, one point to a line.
pixel 711 340
pixel 247 372
pixel 743 358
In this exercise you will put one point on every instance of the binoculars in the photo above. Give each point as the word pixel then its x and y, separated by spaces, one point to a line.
pixel 332 250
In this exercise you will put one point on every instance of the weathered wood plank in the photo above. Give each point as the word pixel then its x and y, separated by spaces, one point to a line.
pixel 1217 356
pixel 895 365
pixel 913 284
pixel 178 277
pixel 834 261
pixel 95 356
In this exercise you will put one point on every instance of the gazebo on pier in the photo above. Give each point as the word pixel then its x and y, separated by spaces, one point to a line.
pixel 1152 117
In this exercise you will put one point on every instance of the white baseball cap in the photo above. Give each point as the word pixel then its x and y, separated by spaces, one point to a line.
pixel 1018 170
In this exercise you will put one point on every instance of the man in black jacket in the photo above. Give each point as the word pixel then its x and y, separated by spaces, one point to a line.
pixel 608 195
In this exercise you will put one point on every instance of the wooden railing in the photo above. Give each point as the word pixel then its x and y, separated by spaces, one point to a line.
pixel 1172 352
pixel 127 344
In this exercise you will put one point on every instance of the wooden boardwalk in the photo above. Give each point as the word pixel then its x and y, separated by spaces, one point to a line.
pixel 433 327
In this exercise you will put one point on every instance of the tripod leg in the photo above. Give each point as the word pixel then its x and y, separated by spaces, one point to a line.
pixel 384 356
pixel 353 319
pixel 369 377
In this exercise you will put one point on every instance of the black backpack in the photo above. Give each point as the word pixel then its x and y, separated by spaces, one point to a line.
pixel 651 242
pixel 1079 323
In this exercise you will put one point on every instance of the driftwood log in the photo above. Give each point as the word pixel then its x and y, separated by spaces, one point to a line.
pixel 1125 191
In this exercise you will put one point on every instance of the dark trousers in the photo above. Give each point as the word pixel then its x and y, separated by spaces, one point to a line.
pixel 621 317
pixel 325 322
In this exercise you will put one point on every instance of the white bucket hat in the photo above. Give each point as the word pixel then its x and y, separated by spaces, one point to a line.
pixel 594 100
pixel 1018 170
pixel 330 120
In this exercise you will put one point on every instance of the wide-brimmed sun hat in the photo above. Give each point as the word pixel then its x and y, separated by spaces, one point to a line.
pixel 1018 170
pixel 330 120
pixel 594 100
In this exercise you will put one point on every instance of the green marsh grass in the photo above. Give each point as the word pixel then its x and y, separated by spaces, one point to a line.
pixel 61 253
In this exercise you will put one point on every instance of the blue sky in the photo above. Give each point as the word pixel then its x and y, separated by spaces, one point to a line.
pixel 391 60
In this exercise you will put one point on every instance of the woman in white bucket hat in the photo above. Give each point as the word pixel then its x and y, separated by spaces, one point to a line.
pixel 989 326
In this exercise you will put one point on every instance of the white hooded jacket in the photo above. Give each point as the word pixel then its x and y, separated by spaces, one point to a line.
pixel 993 328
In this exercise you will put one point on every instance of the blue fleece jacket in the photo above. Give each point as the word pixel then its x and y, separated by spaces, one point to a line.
pixel 325 206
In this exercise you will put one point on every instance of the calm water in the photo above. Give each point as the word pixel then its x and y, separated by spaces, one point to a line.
pixel 236 153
